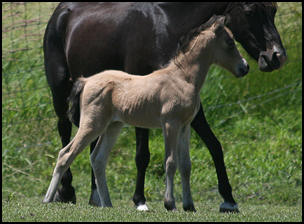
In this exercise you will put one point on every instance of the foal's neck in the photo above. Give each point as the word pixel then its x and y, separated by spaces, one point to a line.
pixel 193 65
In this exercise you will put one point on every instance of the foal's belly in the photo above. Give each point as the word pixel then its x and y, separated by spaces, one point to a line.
pixel 144 119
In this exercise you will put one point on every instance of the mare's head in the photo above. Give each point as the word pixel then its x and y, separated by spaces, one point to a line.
pixel 224 50
pixel 252 24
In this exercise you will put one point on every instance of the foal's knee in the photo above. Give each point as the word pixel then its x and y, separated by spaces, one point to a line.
pixel 170 165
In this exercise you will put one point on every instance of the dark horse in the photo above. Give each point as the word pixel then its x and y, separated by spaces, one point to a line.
pixel 82 39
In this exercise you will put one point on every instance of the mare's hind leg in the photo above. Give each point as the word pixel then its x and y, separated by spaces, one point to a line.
pixel 57 75
pixel 201 126
pixel 184 165
pixel 61 87
pixel 66 192
pixel 99 158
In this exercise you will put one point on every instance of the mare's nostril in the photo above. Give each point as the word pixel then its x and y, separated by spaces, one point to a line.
pixel 281 57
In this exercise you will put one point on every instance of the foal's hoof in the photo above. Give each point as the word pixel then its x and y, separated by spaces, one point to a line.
pixel 170 206
pixel 189 208
pixel 66 196
pixel 94 199
pixel 229 207
pixel 46 200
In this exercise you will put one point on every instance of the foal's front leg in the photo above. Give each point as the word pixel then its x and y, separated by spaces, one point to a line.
pixel 184 165
pixel 171 133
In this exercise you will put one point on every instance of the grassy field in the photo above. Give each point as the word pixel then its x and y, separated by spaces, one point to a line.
pixel 22 210
pixel 258 120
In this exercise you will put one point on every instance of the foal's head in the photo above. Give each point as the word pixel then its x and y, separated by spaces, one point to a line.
pixel 225 52
pixel 216 40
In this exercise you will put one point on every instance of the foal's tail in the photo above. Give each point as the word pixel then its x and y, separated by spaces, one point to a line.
pixel 74 98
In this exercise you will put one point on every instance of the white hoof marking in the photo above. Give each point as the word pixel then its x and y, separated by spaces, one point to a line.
pixel 143 207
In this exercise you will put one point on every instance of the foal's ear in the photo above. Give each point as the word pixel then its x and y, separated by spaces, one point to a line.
pixel 221 20
pixel 219 24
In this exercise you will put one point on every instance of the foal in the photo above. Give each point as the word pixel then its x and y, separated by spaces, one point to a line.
pixel 167 98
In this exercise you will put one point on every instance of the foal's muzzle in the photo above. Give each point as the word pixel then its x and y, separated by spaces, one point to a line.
pixel 243 68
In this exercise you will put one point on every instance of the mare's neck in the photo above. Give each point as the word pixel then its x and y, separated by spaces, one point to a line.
pixel 184 16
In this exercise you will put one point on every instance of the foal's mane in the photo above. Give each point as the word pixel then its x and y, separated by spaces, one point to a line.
pixel 185 40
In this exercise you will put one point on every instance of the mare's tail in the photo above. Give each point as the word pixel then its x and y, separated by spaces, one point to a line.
pixel 74 98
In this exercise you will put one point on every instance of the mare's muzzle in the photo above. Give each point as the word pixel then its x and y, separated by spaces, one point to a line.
pixel 271 59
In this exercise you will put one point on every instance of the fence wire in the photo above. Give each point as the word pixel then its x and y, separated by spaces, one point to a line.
pixel 23 26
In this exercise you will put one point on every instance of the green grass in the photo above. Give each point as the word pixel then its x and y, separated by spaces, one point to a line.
pixel 22 210
pixel 258 120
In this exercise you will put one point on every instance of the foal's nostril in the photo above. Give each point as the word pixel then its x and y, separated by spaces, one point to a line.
pixel 243 68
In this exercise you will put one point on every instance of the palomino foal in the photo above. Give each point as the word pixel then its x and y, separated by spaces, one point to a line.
pixel 167 98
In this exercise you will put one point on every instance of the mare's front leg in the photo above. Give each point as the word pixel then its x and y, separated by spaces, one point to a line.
pixel 142 160
pixel 184 165
pixel 201 126
pixel 171 134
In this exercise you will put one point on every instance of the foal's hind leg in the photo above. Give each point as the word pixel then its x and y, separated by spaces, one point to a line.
pixel 184 165
pixel 94 198
pixel 99 159
pixel 50 194
pixel 85 134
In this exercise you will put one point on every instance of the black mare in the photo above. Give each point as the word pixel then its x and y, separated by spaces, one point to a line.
pixel 86 38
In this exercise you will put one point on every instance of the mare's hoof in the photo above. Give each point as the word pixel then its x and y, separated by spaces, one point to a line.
pixel 229 207
pixel 143 207
pixel 66 196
